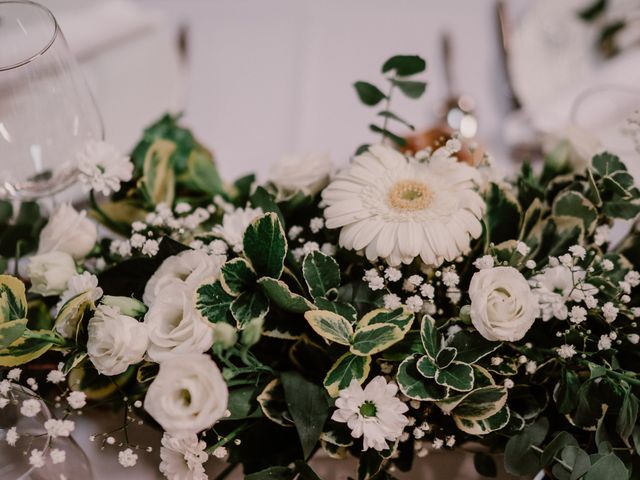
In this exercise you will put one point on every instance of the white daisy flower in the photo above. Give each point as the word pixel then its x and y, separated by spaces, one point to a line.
pixel 373 413
pixel 102 167
pixel 234 224
pixel 183 457
pixel 397 208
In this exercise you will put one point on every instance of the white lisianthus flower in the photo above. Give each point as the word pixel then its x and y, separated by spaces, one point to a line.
pixel 115 341
pixel 308 173
pixel 188 395
pixel 183 457
pixel 175 326
pixel 397 208
pixel 234 224
pixel 373 413
pixel 502 305
pixel 50 272
pixel 102 167
pixel 68 231
pixel 556 285
pixel 191 267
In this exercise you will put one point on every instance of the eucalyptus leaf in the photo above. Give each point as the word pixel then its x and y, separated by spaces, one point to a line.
pixel 369 94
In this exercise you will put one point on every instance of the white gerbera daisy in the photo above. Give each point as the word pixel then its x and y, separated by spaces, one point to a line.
pixel 183 457
pixel 398 208
pixel 373 413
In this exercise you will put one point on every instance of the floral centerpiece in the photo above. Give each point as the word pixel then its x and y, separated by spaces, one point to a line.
pixel 404 303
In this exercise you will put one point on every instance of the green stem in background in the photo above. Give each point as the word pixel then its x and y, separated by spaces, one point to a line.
pixel 19 244
pixel 227 438
pixel 387 104
pixel 566 466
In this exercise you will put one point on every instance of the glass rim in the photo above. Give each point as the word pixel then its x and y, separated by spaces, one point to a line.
pixel 43 50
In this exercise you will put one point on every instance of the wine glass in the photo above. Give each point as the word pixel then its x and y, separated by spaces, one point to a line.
pixel 14 460
pixel 47 113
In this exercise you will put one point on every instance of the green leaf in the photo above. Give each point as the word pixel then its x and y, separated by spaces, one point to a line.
pixel 577 458
pixel 265 245
pixel 405 65
pixel 273 404
pixel 414 385
pixel 609 466
pixel 11 331
pixel 369 94
pixel 347 368
pixel 627 416
pixel 410 88
pixel 457 376
pixel 279 293
pixel 201 174
pixel 321 273
pixel 6 212
pixel 249 306
pixel 399 317
pixel 13 301
pixel 373 339
pixel 445 357
pixel 493 423
pixel 606 163
pixel 25 350
pixel 430 336
pixel 574 204
pixel 309 408
pixel 593 10
pixel 272 473
pixel 393 116
pixel 621 209
pixel 566 392
pixel 263 199
pixel 503 214
pixel 158 178
pixel 520 458
pixel 344 309
pixel 397 139
pixel 236 276
pixel 68 321
pixel 213 302
pixel 330 326
pixel 471 346
pixel 555 446
pixel 427 367
pixel 476 405
pixel 485 465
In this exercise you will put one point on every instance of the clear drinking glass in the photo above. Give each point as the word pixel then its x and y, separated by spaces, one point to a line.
pixel 14 460
pixel 47 112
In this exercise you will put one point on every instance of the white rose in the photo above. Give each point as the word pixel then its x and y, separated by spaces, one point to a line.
pixel 308 173
pixel 115 341
pixel 502 304
pixel 50 272
pixel 175 326
pixel 188 395
pixel 68 231
pixel 191 267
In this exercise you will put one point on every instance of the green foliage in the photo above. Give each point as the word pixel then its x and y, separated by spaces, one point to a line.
pixel 398 69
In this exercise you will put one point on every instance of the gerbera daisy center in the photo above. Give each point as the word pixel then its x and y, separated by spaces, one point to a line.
pixel 409 196
pixel 368 409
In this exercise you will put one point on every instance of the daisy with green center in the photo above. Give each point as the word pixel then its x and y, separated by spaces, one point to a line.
pixel 397 208
pixel 373 413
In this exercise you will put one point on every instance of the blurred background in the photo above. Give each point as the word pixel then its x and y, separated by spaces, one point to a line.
pixel 258 79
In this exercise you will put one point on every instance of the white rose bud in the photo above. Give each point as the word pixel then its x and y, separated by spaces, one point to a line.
pixel 188 395
pixel 116 341
pixel 225 335
pixel 191 267
pixel 308 173
pixel 50 272
pixel 503 308
pixel 175 326
pixel 126 305
pixel 68 231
